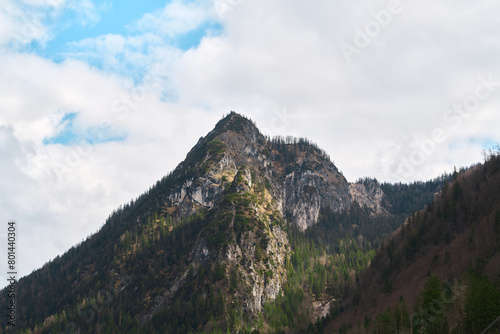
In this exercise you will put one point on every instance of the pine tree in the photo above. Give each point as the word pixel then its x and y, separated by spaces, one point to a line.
pixel 483 304
pixel 402 316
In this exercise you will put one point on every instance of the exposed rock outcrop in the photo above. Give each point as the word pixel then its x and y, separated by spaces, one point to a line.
pixel 368 195
pixel 300 187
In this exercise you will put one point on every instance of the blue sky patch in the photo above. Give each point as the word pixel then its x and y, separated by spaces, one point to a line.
pixel 193 38
pixel 486 143
pixel 69 136
pixel 115 18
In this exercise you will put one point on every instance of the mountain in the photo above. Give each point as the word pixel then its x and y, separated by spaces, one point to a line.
pixel 247 234
pixel 440 271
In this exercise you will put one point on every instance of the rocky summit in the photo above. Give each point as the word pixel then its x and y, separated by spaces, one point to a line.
pixel 298 176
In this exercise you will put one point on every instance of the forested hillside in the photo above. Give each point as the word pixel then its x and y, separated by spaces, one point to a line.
pixel 440 272
pixel 247 235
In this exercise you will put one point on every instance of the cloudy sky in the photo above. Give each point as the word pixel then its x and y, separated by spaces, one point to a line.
pixel 101 98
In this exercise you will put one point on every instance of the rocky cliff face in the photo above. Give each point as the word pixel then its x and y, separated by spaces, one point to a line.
pixel 258 245
pixel 368 195
pixel 307 190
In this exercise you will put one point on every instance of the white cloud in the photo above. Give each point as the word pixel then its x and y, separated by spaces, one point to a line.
pixel 60 194
pixel 178 17
pixel 21 25
pixel 395 91
pixel 152 39
pixel 28 21
pixel 128 56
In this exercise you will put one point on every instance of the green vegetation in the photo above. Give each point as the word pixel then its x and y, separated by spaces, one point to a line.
pixel 142 258
pixel 482 304
pixel 108 298
pixel 287 149
pixel 469 306
pixel 458 233
pixel 318 272
pixel 285 311
pixel 389 322
pixel 196 304
pixel 216 147
pixel 237 207
pixel 215 151
pixel 324 263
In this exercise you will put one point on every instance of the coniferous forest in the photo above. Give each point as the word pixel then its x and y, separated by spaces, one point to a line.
pixel 453 247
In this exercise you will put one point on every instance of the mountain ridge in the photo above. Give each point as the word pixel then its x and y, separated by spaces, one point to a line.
pixel 218 241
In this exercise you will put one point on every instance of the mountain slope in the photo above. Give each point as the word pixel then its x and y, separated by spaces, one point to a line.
pixel 453 243
pixel 243 223
pixel 216 223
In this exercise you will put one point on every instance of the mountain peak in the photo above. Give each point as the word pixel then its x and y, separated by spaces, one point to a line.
pixel 235 117
pixel 237 123
pixel 211 237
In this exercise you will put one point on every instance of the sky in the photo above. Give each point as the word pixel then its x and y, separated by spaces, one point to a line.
pixel 100 99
